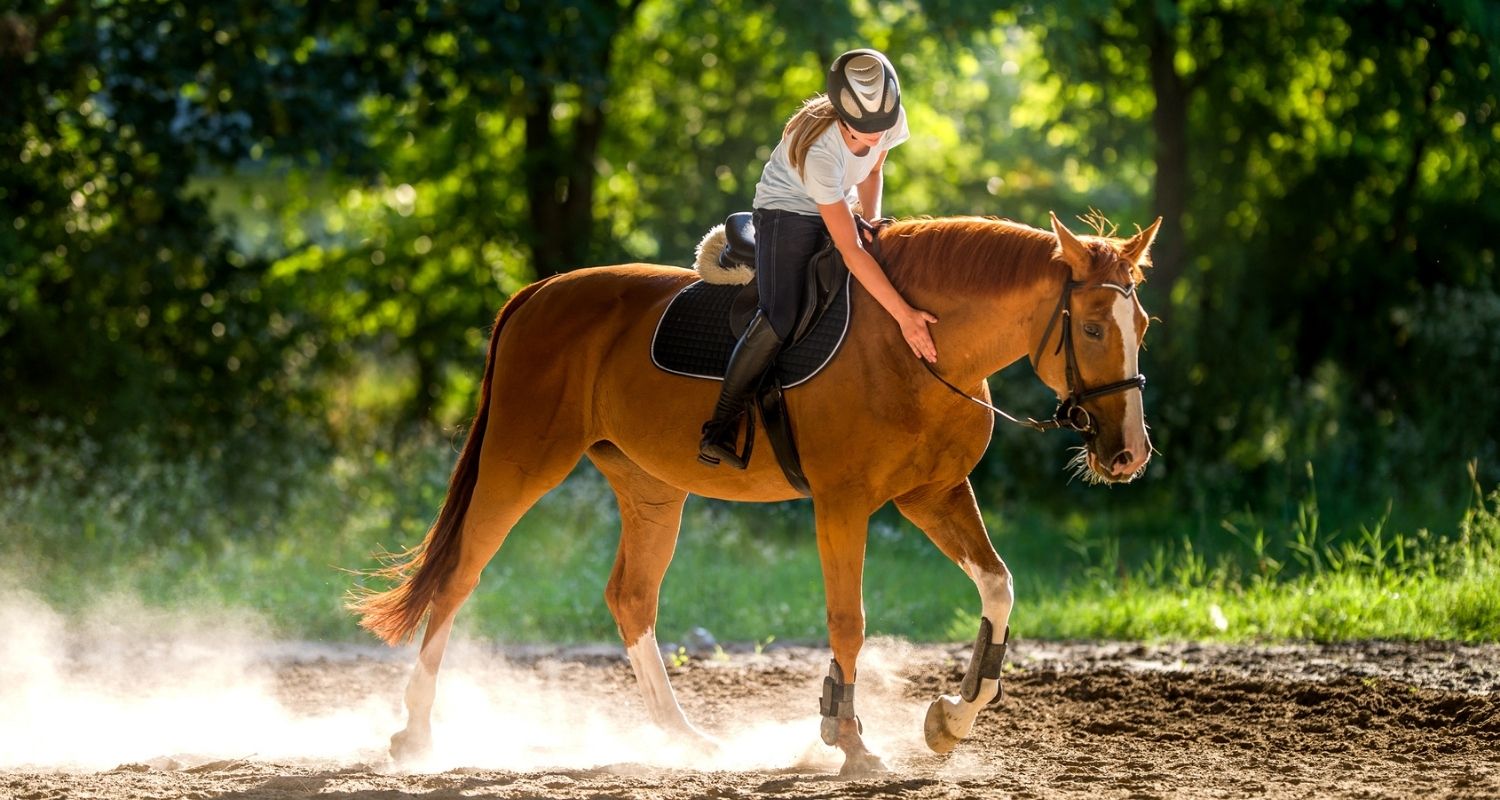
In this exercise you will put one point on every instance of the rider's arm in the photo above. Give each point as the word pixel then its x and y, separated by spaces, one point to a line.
pixel 840 221
pixel 870 188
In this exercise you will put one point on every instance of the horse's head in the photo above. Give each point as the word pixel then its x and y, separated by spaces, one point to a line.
pixel 1088 350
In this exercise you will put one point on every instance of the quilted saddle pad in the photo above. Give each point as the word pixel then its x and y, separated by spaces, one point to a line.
pixel 693 337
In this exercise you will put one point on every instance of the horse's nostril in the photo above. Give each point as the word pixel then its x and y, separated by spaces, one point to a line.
pixel 1122 459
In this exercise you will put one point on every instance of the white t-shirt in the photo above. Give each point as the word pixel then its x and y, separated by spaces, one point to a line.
pixel 831 171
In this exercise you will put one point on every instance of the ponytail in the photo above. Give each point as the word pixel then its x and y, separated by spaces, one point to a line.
pixel 804 128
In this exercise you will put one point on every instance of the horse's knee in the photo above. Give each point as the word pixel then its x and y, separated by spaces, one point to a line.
pixel 619 603
pixel 613 598
pixel 633 611
pixel 993 580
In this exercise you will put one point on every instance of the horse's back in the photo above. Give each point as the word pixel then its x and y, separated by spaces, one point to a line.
pixel 573 308
pixel 575 329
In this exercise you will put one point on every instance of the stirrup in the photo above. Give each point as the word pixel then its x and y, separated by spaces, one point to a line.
pixel 713 450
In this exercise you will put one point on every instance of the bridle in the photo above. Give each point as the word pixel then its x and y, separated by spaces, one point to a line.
pixel 1070 413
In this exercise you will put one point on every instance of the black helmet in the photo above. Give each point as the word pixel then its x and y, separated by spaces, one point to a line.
pixel 863 87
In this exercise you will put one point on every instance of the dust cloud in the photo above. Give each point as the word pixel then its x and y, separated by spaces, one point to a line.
pixel 123 683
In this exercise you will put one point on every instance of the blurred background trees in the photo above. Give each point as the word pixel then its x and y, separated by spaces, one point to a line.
pixel 225 224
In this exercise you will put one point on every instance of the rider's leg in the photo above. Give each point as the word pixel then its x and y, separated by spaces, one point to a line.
pixel 754 353
pixel 785 242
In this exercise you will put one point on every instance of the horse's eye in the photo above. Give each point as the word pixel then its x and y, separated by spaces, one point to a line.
pixel 1093 330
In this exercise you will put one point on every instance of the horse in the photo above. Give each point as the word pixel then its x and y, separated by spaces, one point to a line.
pixel 569 374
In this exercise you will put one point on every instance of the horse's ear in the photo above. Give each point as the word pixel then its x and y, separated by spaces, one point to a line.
pixel 1073 250
pixel 1136 248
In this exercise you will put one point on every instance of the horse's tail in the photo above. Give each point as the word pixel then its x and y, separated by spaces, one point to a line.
pixel 394 614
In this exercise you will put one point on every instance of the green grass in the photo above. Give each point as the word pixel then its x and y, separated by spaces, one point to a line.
pixel 80 525
pixel 1302 582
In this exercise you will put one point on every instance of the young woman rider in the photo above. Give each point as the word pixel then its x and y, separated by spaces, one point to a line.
pixel 830 155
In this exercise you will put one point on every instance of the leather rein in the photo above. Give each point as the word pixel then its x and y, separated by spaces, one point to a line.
pixel 1070 413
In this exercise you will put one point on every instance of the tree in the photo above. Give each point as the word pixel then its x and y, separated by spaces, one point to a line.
pixel 125 306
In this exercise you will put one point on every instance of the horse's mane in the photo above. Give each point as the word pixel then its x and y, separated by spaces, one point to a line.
pixel 986 255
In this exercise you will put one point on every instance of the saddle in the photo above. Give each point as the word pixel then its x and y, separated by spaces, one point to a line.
pixel 700 327
pixel 826 274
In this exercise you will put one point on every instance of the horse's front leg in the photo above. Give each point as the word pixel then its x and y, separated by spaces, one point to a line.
pixel 950 518
pixel 842 531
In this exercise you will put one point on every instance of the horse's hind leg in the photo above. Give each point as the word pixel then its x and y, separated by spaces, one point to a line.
pixel 950 518
pixel 650 517
pixel 504 491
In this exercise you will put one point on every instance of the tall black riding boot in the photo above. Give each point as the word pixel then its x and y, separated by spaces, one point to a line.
pixel 756 350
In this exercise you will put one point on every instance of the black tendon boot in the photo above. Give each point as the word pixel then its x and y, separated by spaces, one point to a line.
pixel 756 350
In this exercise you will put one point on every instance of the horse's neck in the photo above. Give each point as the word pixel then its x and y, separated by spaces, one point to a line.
pixel 978 337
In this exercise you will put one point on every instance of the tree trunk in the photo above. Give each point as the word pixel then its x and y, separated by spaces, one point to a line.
pixel 559 169
pixel 578 207
pixel 544 180
pixel 1169 120
pixel 560 186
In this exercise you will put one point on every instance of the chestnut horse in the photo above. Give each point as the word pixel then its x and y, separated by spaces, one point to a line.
pixel 569 374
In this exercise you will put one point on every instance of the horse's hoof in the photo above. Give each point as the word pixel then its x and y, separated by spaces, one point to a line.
pixel 711 746
pixel 407 747
pixel 935 729
pixel 700 742
pixel 862 765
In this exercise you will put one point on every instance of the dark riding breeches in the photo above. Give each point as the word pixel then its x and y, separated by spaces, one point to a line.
pixel 784 244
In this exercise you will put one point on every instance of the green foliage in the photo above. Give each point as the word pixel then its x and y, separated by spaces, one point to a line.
pixel 121 304
pixel 1301 581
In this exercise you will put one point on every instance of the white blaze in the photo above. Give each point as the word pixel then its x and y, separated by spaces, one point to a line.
pixel 1134 423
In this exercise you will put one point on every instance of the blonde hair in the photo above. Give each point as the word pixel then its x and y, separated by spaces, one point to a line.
pixel 804 128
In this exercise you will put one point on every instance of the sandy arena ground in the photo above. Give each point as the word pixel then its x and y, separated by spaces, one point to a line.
pixel 1079 720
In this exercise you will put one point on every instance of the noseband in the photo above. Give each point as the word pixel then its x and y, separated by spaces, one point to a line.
pixel 1070 413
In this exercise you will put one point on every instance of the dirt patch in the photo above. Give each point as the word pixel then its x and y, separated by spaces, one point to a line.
pixel 1365 720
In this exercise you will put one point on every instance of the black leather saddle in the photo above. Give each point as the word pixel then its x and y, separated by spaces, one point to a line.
pixel 826 276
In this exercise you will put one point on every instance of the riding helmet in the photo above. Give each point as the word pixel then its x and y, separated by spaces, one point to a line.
pixel 865 92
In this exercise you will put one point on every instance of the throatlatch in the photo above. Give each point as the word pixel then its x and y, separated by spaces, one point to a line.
pixel 986 662
pixel 837 703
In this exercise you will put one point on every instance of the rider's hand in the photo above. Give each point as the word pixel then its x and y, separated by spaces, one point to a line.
pixel 868 230
pixel 914 322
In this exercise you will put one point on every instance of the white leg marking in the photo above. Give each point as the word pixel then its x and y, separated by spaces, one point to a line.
pixel 996 597
pixel 656 689
pixel 422 687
